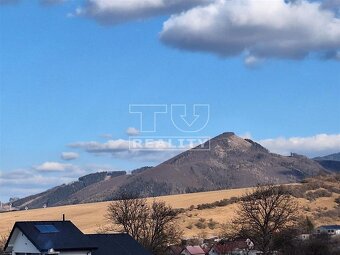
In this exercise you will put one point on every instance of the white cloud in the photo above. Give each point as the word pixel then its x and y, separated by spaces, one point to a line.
pixel 27 179
pixel 156 150
pixel 132 131
pixel 257 29
pixel 252 61
pixel 54 167
pixel 107 147
pixel 24 182
pixel 318 145
pixel 246 135
pixel 69 155
pixel 119 11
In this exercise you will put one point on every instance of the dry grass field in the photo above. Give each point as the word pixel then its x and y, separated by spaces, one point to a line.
pixel 90 218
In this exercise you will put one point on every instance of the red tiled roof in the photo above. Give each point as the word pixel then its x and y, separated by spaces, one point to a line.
pixel 195 250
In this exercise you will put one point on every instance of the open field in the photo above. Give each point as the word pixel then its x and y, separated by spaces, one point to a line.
pixel 88 217
pixel 91 217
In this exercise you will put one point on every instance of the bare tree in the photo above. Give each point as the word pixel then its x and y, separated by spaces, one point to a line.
pixel 3 240
pixel 152 225
pixel 265 212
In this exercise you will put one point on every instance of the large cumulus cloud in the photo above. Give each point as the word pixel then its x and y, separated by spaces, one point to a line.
pixel 312 146
pixel 257 29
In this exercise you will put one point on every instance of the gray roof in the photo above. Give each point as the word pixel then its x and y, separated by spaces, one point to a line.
pixel 337 227
pixel 112 244
pixel 59 235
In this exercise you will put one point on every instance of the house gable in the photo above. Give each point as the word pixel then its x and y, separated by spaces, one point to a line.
pixel 19 243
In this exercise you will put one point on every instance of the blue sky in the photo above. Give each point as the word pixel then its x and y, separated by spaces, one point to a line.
pixel 68 78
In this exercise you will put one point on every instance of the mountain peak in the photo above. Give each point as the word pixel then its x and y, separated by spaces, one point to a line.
pixel 230 162
pixel 224 135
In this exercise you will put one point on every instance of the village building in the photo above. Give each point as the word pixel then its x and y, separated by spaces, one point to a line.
pixel 236 247
pixel 193 250
pixel 328 229
pixel 64 238
pixel 174 250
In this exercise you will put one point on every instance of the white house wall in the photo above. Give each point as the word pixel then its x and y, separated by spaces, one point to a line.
pixel 22 244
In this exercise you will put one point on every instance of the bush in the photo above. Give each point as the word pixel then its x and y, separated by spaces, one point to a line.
pixel 201 224
pixel 337 200
pixel 212 224
pixel 190 226
pixel 3 240
pixel 220 203
pixel 312 195
pixel 333 214
pixel 179 210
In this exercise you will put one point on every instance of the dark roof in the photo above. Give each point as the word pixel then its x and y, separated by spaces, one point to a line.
pixel 228 247
pixel 175 249
pixel 59 235
pixel 330 226
pixel 112 244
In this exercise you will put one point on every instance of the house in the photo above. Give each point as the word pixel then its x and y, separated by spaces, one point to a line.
pixel 174 250
pixel 237 247
pixel 328 229
pixel 304 237
pixel 193 250
pixel 64 238
pixel 122 244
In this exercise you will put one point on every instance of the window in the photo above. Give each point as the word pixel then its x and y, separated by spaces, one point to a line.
pixel 45 229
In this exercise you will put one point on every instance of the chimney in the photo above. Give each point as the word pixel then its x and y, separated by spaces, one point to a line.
pixel 63 217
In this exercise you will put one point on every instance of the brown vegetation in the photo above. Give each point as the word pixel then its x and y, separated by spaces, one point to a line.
pixel 154 226
pixel 3 240
pixel 91 217
pixel 263 213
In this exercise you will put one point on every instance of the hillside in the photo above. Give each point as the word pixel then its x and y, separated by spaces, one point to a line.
pixel 330 162
pixel 57 195
pixel 231 162
pixel 316 197
pixel 334 157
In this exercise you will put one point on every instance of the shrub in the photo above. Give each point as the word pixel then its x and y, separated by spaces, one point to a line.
pixel 190 226
pixel 337 200
pixel 333 214
pixel 223 202
pixel 3 240
pixel 212 224
pixel 201 225
pixel 312 195
pixel 179 210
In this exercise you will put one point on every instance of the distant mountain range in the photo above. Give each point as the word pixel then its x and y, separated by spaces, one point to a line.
pixel 231 162
pixel 334 157
pixel 330 162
